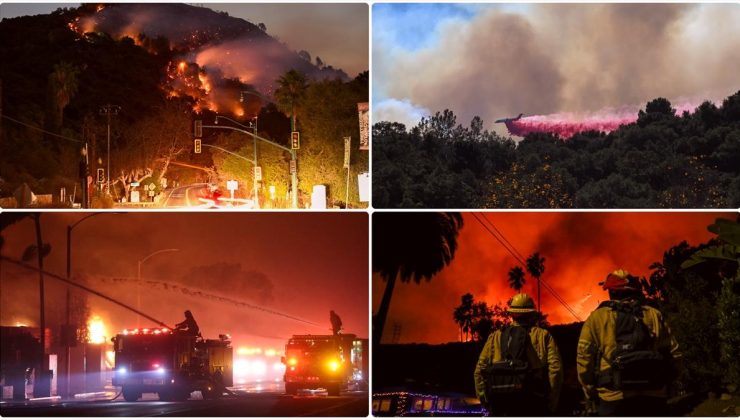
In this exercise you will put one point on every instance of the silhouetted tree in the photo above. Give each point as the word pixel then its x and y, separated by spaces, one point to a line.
pixel 289 93
pixel 516 278
pixel 63 85
pixel 463 315
pixel 535 267
pixel 410 246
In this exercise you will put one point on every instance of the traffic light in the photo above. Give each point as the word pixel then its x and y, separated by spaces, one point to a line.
pixel 101 175
pixel 197 146
pixel 295 140
pixel 198 131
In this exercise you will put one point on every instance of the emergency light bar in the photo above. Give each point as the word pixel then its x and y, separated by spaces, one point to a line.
pixel 155 331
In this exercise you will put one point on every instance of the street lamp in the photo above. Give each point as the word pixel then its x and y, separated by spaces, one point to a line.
pixel 293 178
pixel 294 170
pixel 138 280
pixel 253 126
pixel 69 276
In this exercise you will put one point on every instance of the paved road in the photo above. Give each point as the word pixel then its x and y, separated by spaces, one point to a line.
pixel 353 404
pixel 185 196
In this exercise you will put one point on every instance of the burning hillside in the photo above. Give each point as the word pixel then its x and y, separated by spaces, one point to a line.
pixel 213 56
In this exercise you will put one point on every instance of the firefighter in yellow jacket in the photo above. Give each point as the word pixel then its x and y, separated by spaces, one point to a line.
pixel 626 354
pixel 543 362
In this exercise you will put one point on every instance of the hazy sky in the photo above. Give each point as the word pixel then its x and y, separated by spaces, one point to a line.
pixel 337 32
pixel 296 264
pixel 579 250
pixel 496 61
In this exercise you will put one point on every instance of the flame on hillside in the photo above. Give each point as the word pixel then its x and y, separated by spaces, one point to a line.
pixel 215 56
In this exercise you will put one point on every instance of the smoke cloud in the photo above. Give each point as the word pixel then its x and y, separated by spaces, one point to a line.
pixel 564 58
pixel 217 53
pixel 579 250
pixel 402 111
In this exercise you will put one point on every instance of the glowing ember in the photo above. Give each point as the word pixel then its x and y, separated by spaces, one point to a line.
pixel 96 330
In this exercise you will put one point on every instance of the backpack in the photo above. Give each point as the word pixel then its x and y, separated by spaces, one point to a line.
pixel 513 373
pixel 635 366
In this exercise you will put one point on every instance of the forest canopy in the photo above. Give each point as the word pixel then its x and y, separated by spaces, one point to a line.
pixel 663 160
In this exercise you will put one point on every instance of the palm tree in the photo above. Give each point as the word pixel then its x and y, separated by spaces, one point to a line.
pixel 410 246
pixel 463 315
pixel 63 86
pixel 516 278
pixel 291 89
pixel 535 267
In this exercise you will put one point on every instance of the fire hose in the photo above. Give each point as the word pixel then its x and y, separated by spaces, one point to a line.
pixel 85 288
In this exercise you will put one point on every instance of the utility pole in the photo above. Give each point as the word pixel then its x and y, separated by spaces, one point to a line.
pixel 43 385
pixel 69 278
pixel 109 110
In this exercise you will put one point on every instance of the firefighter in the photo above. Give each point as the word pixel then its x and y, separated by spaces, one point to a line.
pixel 336 322
pixel 533 387
pixel 188 326
pixel 626 354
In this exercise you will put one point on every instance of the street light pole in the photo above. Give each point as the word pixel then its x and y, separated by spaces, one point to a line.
pixel 138 280
pixel 109 110
pixel 293 157
pixel 253 126
pixel 68 317
pixel 254 138
pixel 294 179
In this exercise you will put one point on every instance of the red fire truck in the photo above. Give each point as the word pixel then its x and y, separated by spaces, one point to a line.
pixel 172 364
pixel 332 362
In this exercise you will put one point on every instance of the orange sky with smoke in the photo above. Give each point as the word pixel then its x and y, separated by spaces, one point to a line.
pixel 579 248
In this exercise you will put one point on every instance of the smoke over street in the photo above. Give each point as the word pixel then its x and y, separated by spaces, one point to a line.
pixel 260 278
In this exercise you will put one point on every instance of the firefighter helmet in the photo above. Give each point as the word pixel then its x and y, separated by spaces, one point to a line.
pixel 521 303
pixel 620 280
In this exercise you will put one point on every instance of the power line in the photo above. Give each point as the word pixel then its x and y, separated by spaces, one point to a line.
pixel 518 256
pixel 521 257
pixel 512 250
pixel 32 127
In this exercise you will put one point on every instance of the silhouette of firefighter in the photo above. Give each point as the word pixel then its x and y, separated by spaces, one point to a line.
pixel 519 372
pixel 626 356
pixel 188 326
pixel 336 322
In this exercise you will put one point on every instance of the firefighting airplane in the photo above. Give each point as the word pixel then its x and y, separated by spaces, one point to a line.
pixel 506 120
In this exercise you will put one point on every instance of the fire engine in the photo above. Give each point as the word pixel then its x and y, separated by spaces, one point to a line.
pixel 333 362
pixel 172 364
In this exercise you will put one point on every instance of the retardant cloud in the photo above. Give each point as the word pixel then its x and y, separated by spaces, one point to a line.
pixel 566 58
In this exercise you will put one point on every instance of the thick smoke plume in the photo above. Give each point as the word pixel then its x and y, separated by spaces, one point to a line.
pixel 217 56
pixel 544 59
pixel 579 250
